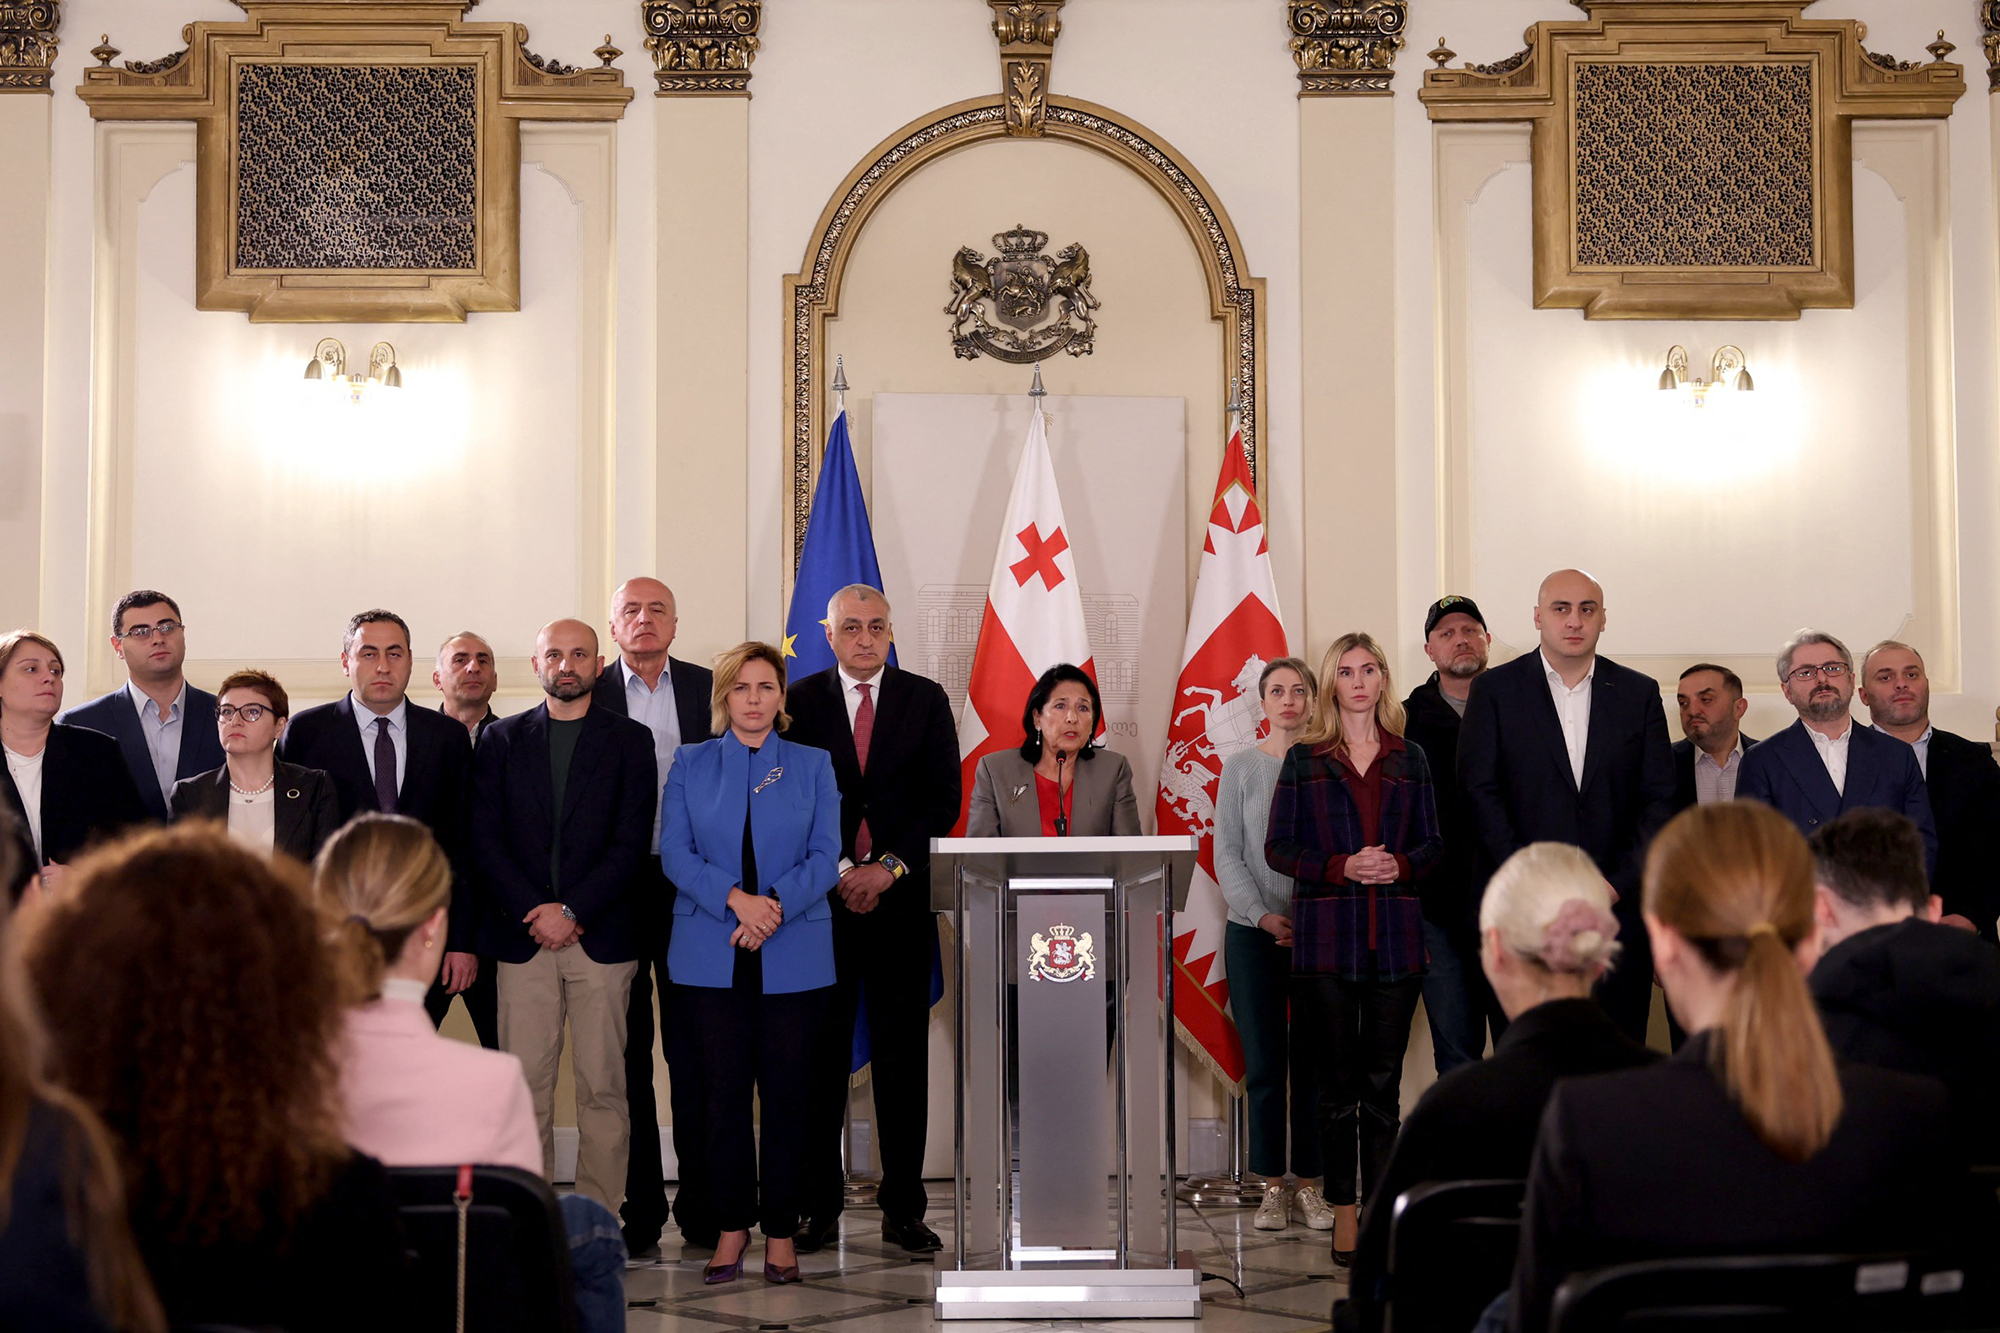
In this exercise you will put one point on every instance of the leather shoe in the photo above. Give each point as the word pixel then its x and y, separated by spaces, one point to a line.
pixel 715 1273
pixel 639 1239
pixel 780 1276
pixel 813 1236
pixel 911 1234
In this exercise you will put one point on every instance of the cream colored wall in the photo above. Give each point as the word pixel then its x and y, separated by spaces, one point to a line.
pixel 25 226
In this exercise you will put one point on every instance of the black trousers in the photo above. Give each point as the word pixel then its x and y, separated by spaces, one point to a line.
pixel 745 1042
pixel 645 1211
pixel 1366 1030
pixel 482 1004
pixel 1626 993
pixel 884 956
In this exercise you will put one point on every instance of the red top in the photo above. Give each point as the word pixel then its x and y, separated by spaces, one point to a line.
pixel 1366 788
pixel 1050 797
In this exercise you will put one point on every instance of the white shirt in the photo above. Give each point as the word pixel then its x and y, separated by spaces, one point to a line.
pixel 1573 711
pixel 850 693
pixel 26 771
pixel 1922 745
pixel 399 735
pixel 253 820
pixel 163 739
pixel 1717 782
pixel 1833 753
pixel 655 707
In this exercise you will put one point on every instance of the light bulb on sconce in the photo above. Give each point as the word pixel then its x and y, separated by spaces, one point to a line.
pixel 1727 369
pixel 329 362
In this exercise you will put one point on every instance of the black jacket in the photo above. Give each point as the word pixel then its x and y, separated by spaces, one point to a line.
pixel 1924 999
pixel 1479 1121
pixel 114 715
pixel 1656 1163
pixel 306 815
pixel 1964 785
pixel 1450 894
pixel 44 1273
pixel 88 795
pixel 1684 795
pixel 693 686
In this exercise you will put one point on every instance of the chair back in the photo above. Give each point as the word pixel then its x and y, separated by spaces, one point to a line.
pixel 1774 1294
pixel 517 1275
pixel 1451 1251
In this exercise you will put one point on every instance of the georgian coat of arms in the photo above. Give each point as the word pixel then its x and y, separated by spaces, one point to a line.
pixel 1040 304
pixel 1061 955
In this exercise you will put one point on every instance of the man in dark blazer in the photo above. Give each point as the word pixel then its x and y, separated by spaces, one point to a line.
pixel 466 675
pixel 895 758
pixel 388 755
pixel 1823 765
pixel 671 698
pixel 164 726
pixel 562 800
pixel 1959 774
pixel 1563 745
pixel 1712 707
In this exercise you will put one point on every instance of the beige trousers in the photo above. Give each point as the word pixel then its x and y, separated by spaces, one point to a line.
pixel 536 999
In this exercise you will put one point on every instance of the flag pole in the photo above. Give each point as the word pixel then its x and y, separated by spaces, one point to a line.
pixel 1036 391
pixel 839 385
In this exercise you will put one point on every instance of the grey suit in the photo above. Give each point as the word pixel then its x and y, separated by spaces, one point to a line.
pixel 1004 804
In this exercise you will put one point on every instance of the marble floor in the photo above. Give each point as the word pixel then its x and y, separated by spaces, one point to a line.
pixel 865 1285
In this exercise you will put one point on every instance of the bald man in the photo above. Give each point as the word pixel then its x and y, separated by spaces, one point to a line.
pixel 1563 745
pixel 562 815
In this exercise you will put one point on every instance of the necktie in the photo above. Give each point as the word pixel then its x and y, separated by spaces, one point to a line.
pixel 864 732
pixel 385 768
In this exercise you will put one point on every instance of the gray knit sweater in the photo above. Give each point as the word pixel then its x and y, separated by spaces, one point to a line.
pixel 1242 814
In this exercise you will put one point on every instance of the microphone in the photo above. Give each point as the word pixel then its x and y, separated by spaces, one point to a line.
pixel 1062 816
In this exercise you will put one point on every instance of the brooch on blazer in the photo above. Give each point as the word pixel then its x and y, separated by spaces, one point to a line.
pixel 1019 792
pixel 292 795
pixel 769 778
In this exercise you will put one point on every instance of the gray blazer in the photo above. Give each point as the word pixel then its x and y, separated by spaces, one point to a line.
pixel 1004 804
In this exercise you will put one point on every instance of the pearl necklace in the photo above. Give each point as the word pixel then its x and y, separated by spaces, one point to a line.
pixel 250 795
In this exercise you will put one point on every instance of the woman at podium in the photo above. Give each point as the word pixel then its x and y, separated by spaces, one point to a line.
pixel 1057 785
pixel 1354 823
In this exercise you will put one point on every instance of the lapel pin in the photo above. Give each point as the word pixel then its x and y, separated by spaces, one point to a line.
pixel 292 795
pixel 770 778
pixel 1018 792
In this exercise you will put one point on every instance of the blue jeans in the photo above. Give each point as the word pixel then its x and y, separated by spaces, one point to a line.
pixel 1456 998
pixel 596 1262
pixel 1260 974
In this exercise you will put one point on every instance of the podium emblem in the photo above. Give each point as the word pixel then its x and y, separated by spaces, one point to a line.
pixel 1061 955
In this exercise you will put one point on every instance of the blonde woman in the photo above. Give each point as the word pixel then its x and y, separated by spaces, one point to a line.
pixel 1354 824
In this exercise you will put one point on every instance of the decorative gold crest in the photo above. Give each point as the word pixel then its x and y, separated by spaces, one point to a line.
pixel 1040 304
pixel 1061 955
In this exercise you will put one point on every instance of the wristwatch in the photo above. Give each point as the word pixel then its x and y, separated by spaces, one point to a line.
pixel 893 863
pixel 567 914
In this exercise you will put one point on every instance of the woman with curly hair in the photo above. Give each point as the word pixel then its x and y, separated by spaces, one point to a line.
pixel 193 1005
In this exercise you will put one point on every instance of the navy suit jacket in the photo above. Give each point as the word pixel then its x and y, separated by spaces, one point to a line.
pixel 795 830
pixel 201 745
pixel 435 768
pixel 1787 774
pixel 607 829
pixel 87 794
pixel 692 687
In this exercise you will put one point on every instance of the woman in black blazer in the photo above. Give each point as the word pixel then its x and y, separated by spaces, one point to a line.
pixel 1057 784
pixel 267 804
pixel 1750 1140
pixel 68 784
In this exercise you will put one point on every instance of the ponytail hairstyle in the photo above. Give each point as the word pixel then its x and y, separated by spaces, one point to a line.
pixel 1552 907
pixel 1324 731
pixel 1736 881
pixel 377 880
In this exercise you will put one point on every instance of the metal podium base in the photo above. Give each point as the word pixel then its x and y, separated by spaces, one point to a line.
pixel 1070 1293
pixel 1219 1192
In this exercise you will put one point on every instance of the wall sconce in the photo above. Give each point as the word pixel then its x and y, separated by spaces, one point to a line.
pixel 1727 369
pixel 329 361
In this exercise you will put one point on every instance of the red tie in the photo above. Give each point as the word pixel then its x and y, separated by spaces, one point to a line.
pixel 864 732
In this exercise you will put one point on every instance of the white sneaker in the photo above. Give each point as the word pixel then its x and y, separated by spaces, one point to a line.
pixel 1271 1213
pixel 1309 1208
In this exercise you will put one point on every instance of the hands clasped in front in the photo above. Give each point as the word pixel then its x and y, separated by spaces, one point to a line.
pixel 757 918
pixel 550 928
pixel 1372 865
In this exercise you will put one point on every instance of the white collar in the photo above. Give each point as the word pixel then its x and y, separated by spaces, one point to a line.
pixel 404 988
pixel 1555 677
pixel 848 682
pixel 1820 738
pixel 365 716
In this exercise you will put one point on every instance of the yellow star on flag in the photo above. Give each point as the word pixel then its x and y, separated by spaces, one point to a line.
pixel 790 639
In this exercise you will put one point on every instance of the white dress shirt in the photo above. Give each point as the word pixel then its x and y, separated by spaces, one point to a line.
pixel 1717 782
pixel 399 735
pixel 850 693
pixel 654 706
pixel 163 738
pixel 26 770
pixel 1833 753
pixel 1573 711
pixel 1922 745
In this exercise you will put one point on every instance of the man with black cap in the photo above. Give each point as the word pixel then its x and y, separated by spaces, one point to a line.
pixel 1457 999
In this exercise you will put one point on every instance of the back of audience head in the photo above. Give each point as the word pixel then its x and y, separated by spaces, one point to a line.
pixel 201 1030
pixel 1868 868
pixel 1546 926
pixel 1729 906
pixel 383 886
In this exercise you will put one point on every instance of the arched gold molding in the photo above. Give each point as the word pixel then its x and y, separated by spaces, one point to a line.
pixel 812 295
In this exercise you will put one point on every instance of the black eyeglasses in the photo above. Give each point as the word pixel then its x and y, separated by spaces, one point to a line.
pixel 145 632
pixel 1831 670
pixel 248 712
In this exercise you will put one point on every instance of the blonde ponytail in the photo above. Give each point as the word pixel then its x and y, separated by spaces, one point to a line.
pixel 375 882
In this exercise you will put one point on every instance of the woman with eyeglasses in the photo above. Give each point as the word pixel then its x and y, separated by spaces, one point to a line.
pixel 266 803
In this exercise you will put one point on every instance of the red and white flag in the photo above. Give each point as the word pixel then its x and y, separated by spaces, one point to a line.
pixel 1233 631
pixel 1034 613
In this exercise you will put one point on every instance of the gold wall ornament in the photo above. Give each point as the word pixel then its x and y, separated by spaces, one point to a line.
pixel 29 31
pixel 1347 48
pixel 1693 159
pixel 1989 40
pixel 702 48
pixel 1041 303
pixel 1027 32
pixel 358 160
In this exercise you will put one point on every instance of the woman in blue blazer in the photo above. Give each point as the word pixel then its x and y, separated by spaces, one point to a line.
pixel 750 833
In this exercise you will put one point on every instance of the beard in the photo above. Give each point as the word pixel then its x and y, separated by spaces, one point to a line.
pixel 1826 707
pixel 565 687
pixel 1464 668
pixel 1900 714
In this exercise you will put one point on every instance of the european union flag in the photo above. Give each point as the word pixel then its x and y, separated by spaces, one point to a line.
pixel 839 550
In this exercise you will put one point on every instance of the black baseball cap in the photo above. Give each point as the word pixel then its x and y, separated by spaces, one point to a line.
pixel 1452 605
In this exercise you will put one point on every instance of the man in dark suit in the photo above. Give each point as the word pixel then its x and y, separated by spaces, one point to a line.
pixel 383 754
pixel 671 698
pixel 895 758
pixel 562 800
pixel 1709 758
pixel 1823 765
pixel 1960 775
pixel 466 675
pixel 1563 745
pixel 164 726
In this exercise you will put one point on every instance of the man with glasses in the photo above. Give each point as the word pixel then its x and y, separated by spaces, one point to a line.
pixel 1823 765
pixel 164 726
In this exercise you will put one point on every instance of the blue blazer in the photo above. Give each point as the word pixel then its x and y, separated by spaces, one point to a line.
pixel 796 831
pixel 1785 772
pixel 201 745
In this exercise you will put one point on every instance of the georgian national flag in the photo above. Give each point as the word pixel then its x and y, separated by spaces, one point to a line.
pixel 1233 631
pixel 1034 614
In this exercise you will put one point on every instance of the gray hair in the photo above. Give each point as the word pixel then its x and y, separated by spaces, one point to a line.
pixel 1809 636
pixel 464 634
pixel 860 592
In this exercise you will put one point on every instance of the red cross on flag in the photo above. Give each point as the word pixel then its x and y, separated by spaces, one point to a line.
pixel 1034 613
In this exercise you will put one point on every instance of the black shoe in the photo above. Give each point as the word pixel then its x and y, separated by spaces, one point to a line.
pixel 912 1235
pixel 813 1236
pixel 639 1239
